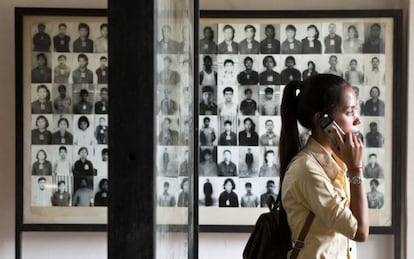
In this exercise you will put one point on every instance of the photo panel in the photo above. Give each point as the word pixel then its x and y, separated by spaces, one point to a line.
pixel 62 98
pixel 41 191
pixel 374 38
pixel 185 161
pixel 248 68
pixel 83 165
pixel 100 37
pixel 183 193
pixel 62 129
pixel 168 188
pixel 270 68
pixel 291 35
pixel 227 161
pixel 373 130
pixel 185 71
pixel 169 70
pixel 373 163
pixel 249 193
pixel 208 191
pixel 228 69
pixel 228 130
pixel 208 130
pixel 62 160
pixel 83 195
pixel 208 161
pixel 270 100
pixel 168 100
pixel 353 37
pixel 83 37
pixel 358 90
pixel 249 159
pixel 267 186
pixel 269 162
pixel 100 191
pixel 374 69
pixel 101 129
pixel 62 188
pixel 208 70
pixel 168 37
pixel 309 65
pixel 40 133
pixel 227 100
pixel 100 160
pixel 269 128
pixel 311 39
pixel 62 64
pixel 228 188
pixel 41 36
pixel 63 33
pixel 41 98
pixel 82 69
pixel 354 68
pixel 83 130
pixel 375 193
pixel 248 99
pixel 167 161
pixel 168 130
pixel 247 131
pixel 374 104
pixel 208 38
pixel 332 35
pixel 249 43
pixel 269 38
pixel 101 99
pixel 289 69
pixel 332 64
pixel 42 156
pixel 229 36
pixel 99 66
pixel 41 71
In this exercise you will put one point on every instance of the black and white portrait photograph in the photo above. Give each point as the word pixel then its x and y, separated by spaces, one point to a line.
pixel 168 70
pixel 41 37
pixel 228 130
pixel 354 69
pixel 167 187
pixel 185 161
pixel 332 37
pixel 208 130
pixel 62 98
pixel 269 162
pixel 101 129
pixel 249 193
pixel 229 196
pixel 62 129
pixel 83 42
pixel 82 73
pixel 250 43
pixel 41 98
pixel 41 129
pixel 62 188
pixel 248 128
pixel 227 97
pixel 290 38
pixel 375 193
pixel 309 65
pixel 208 191
pixel 269 128
pixel 167 161
pixel 42 160
pixel 62 32
pixel 268 186
pixel 41 191
pixel 249 158
pixel 208 161
pixel 183 196
pixel 249 65
pixel 83 195
pixel 62 67
pixel 227 161
pixel 374 38
pixel 269 73
pixel 270 38
pixel 41 68
pixel 373 160
pixel 270 98
pixel 311 41
pixel 289 70
pixel 100 160
pixel 168 100
pixel 101 99
pixel 208 74
pixel 83 130
pixel 248 99
pixel 228 69
pixel 83 99
pixel 332 64
pixel 208 39
pixel 374 101
pixel 373 129
pixel 167 40
pixel 353 40
pixel 83 164
pixel 374 69
pixel 227 41
pixel 168 131
pixel 62 161
pixel 208 100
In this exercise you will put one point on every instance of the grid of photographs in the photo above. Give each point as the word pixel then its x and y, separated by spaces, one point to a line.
pixel 243 71
pixel 69 114
pixel 174 104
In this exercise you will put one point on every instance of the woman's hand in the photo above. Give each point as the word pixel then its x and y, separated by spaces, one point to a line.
pixel 350 150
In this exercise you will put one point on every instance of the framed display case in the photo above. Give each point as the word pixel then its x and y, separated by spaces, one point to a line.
pixel 245 60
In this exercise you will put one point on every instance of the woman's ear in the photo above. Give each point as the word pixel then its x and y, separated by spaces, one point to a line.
pixel 315 119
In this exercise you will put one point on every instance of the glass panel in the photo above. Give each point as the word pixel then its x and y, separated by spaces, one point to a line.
pixel 173 88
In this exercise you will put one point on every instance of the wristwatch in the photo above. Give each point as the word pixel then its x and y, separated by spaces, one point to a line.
pixel 356 179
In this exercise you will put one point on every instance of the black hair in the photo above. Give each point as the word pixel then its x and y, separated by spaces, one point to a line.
pixel 316 30
pixel 63 148
pixel 228 61
pixel 269 90
pixel 41 150
pixel 46 89
pixel 42 55
pixel 183 181
pixel 268 183
pixel 63 87
pixel 83 92
pixel 207 88
pixel 84 26
pixel 355 29
pixel 291 27
pixel 228 89
pixel 62 25
pixel 270 26
pixel 63 119
pixel 290 58
pixel 229 180
pixel 103 25
pixel 207 28
pixel 42 117
pixel 267 152
pixel 249 26
pixel 62 56
pixel 375 25
pixel 228 122
pixel 83 119
pixel 374 181
pixel 208 191
pixel 104 150
pixel 228 26
pixel 248 184
pixel 207 57
pixel 251 122
pixel 375 87
pixel 372 154
pixel 246 59
pixel 206 119
pixel 83 56
pixel 61 182
pixel 318 93
pixel 103 58
pixel 271 57
pixel 247 90
pixel 41 179
pixel 102 181
pixel 83 148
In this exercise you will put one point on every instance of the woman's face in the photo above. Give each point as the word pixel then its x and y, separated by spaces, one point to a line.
pixel 228 186
pixel 269 63
pixel 311 66
pixel 83 125
pixel 228 34
pixel 41 61
pixel 311 32
pixel 83 153
pixel 374 93
pixel 41 156
pixel 42 93
pixel 351 33
pixel 248 125
pixel 41 123
pixel 346 114
pixel 63 125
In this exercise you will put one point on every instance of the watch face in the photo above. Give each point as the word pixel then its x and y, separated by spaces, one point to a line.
pixel 356 180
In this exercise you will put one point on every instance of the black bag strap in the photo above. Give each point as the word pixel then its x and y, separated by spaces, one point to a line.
pixel 299 244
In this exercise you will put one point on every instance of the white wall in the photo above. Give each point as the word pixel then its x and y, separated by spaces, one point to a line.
pixel 93 245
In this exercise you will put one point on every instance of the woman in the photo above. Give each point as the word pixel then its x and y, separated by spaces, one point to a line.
pixel 61 197
pixel 248 136
pixel 101 197
pixel 43 103
pixel 41 135
pixel 314 177
pixel 352 44
pixel 84 133
pixel 310 71
pixel 83 167
pixel 228 198
pixel 311 44
pixel 290 72
pixel 42 166
pixel 374 106
pixel 269 76
pixel 62 136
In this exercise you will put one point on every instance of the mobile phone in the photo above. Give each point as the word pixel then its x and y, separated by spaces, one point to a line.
pixel 327 123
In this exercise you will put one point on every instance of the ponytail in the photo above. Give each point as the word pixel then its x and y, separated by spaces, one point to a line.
pixel 289 144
